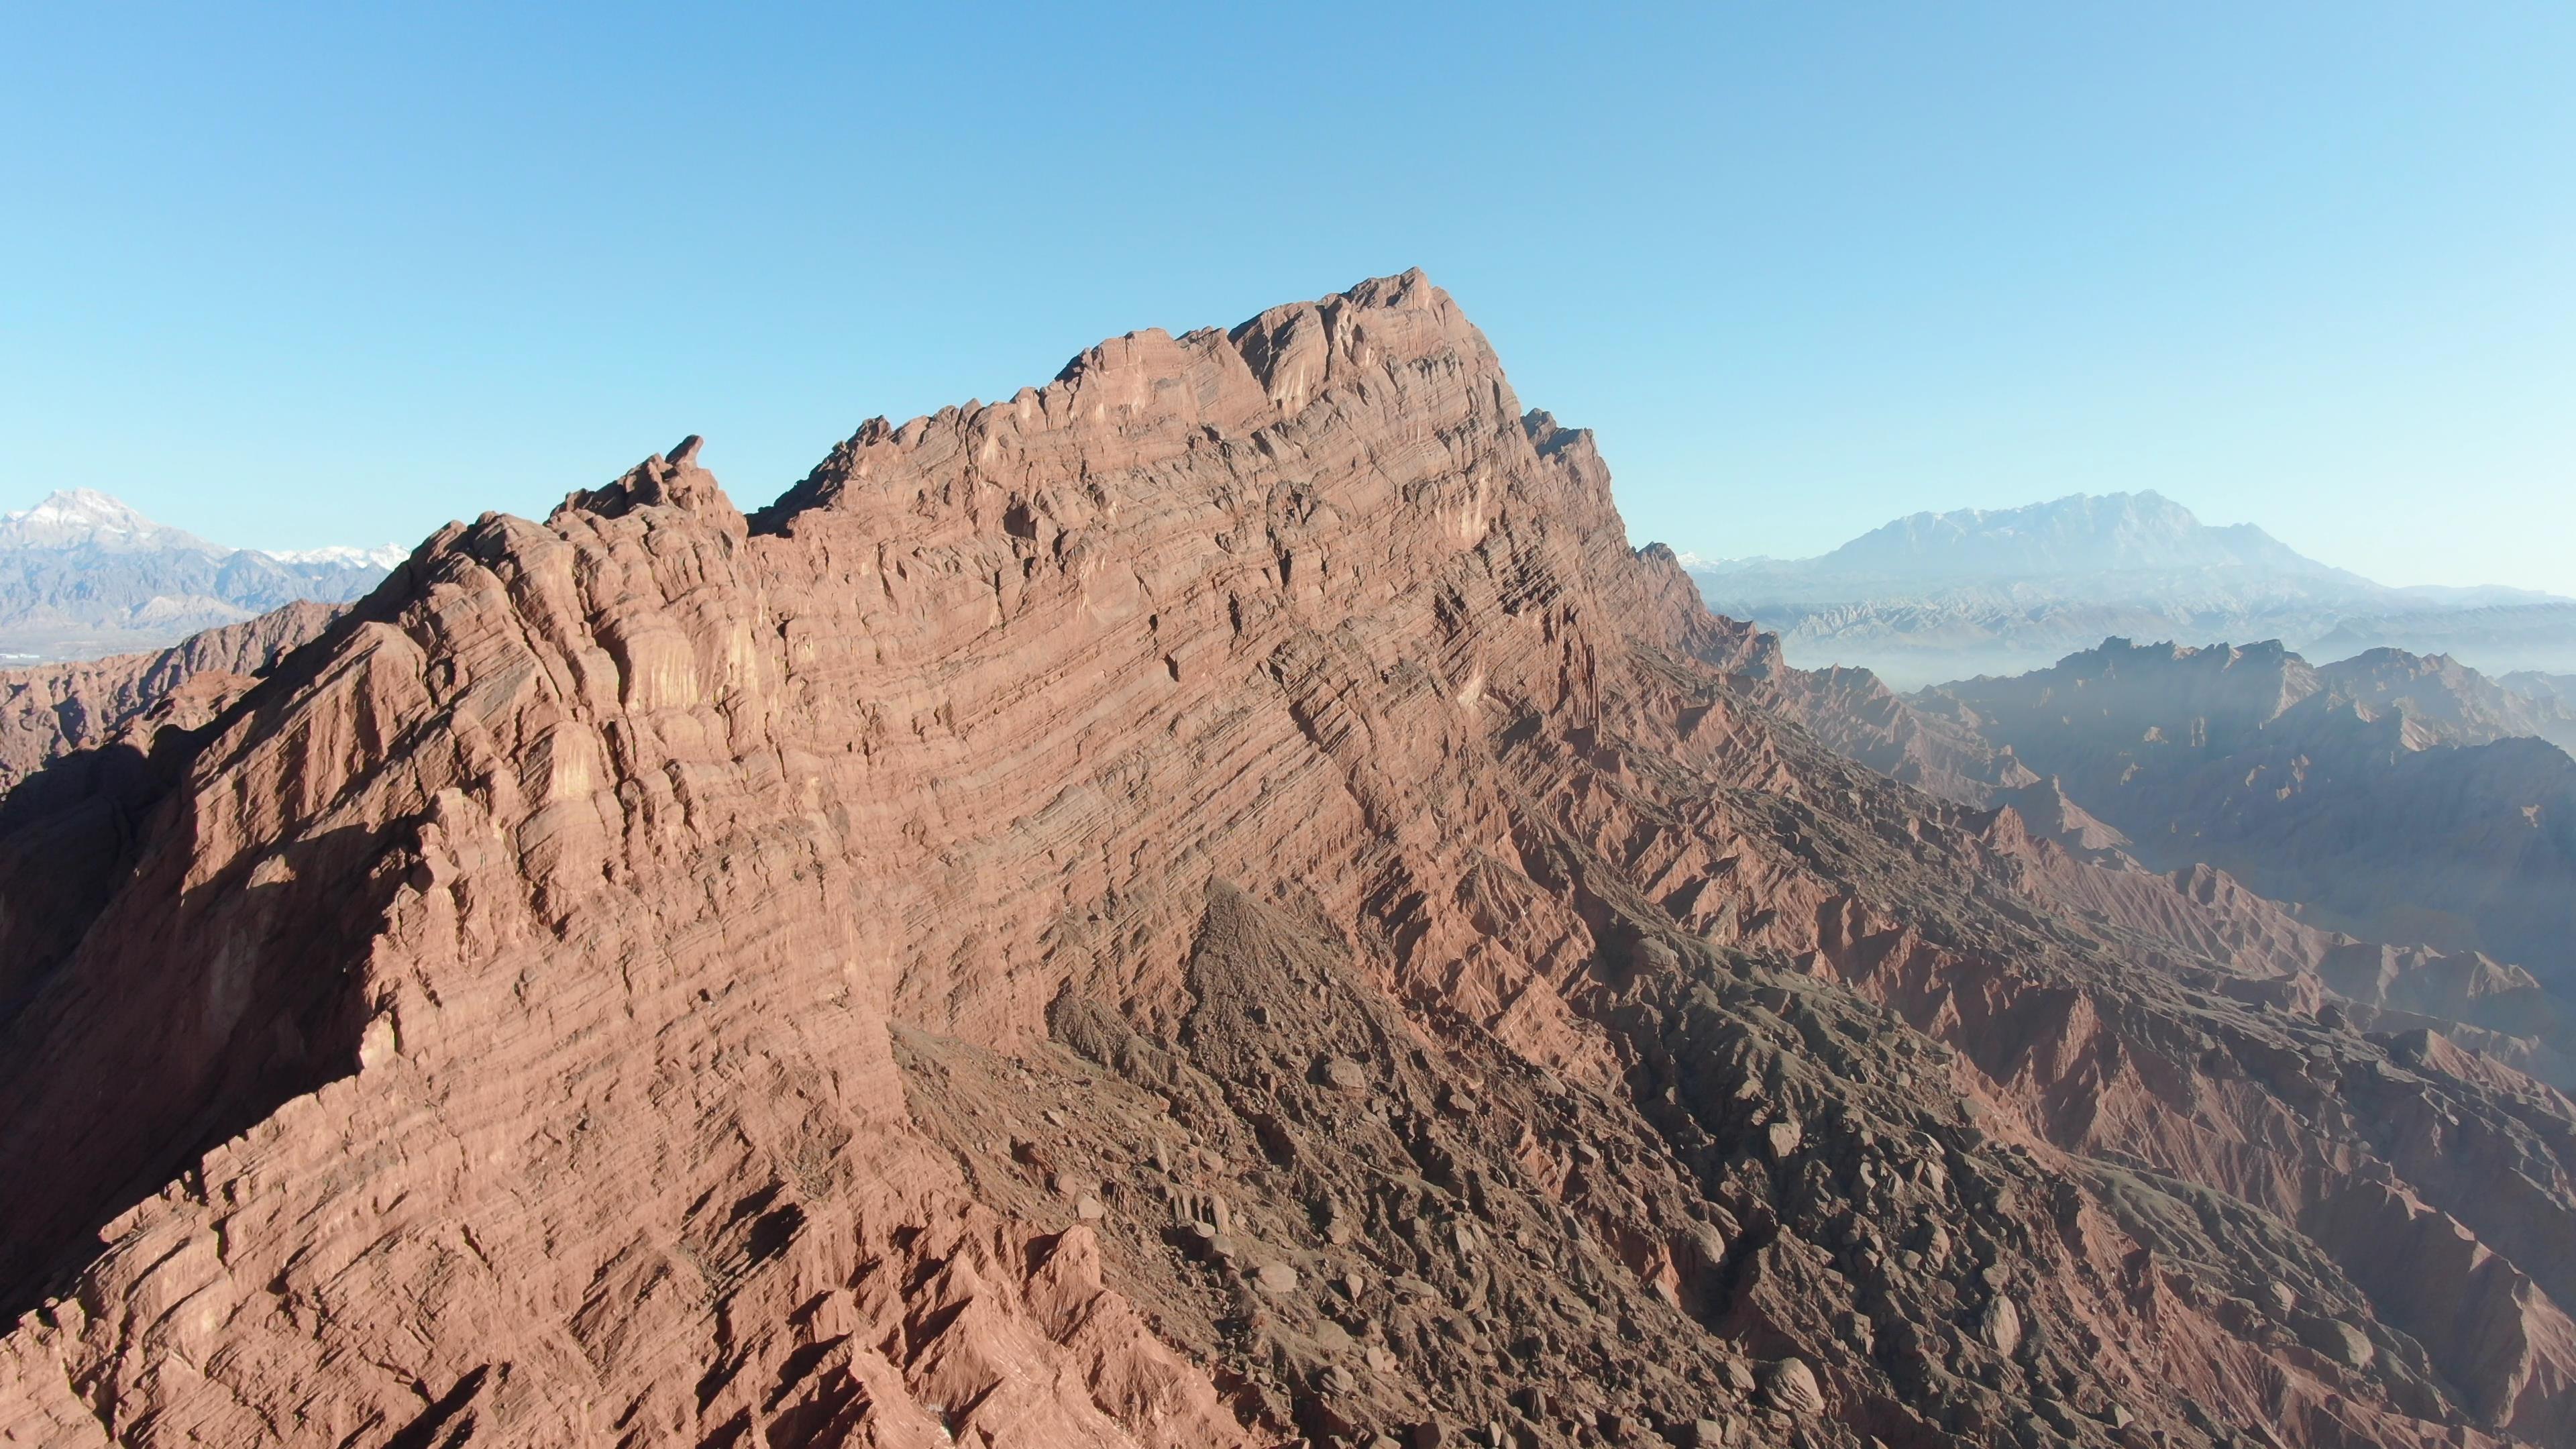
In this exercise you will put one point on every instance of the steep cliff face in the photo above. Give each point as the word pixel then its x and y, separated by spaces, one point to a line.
pixel 1211 902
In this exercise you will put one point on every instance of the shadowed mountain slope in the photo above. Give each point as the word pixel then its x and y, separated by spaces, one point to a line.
pixel 50 710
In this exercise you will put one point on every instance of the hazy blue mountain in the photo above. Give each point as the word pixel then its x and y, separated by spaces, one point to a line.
pixel 1938 596
pixel 2398 797
pixel 83 574
pixel 2534 684
pixel 2512 639
pixel 2078 537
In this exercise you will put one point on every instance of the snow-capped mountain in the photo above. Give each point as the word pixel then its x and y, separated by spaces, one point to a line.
pixel 83 573
pixel 86 518
pixel 383 556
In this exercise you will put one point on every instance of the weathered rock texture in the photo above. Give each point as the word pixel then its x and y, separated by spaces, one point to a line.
pixel 48 711
pixel 1211 903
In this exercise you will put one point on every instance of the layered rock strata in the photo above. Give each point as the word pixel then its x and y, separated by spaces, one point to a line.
pixel 1214 902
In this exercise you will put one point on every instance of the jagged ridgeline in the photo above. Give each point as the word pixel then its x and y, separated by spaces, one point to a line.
pixel 1215 902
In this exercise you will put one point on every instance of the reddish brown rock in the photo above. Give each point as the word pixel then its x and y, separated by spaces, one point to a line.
pixel 658 976
pixel 48 711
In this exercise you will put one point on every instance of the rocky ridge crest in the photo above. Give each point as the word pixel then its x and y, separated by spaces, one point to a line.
pixel 1214 902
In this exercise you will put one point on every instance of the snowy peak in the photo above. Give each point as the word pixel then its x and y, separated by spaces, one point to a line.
pixel 87 518
pixel 70 518
pixel 345 556
pixel 84 573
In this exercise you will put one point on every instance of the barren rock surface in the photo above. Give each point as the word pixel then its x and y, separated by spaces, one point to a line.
pixel 1214 902
pixel 50 710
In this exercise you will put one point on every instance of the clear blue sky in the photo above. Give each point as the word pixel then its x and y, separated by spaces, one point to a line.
pixel 290 276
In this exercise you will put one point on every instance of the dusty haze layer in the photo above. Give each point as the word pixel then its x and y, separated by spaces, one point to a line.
pixel 1946 596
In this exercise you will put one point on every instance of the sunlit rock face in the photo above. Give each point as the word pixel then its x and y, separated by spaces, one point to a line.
pixel 1214 902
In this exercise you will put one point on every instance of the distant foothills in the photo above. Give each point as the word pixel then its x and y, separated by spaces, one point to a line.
pixel 83 574
pixel 1943 596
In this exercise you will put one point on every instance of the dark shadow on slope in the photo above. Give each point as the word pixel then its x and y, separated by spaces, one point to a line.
pixel 118 1069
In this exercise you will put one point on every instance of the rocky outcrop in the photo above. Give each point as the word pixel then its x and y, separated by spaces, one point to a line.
pixel 1216 901
pixel 48 711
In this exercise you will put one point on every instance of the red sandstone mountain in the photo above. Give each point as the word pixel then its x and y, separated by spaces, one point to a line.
pixel 1215 902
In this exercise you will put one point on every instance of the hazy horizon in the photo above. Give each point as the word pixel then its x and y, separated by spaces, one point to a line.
pixel 317 277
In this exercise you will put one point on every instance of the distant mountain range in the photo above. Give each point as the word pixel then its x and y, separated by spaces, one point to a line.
pixel 1941 596
pixel 2533 684
pixel 83 574
pixel 2399 797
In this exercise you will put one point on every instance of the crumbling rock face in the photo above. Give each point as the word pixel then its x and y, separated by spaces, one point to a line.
pixel 1214 902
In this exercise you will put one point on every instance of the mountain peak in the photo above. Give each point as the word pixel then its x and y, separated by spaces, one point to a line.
pixel 90 574
pixel 1973 590
pixel 2073 540
pixel 2097 508
pixel 1148 395
pixel 343 555
pixel 79 517
pixel 2080 533
pixel 81 503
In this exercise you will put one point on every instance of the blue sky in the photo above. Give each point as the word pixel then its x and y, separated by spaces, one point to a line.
pixel 289 276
